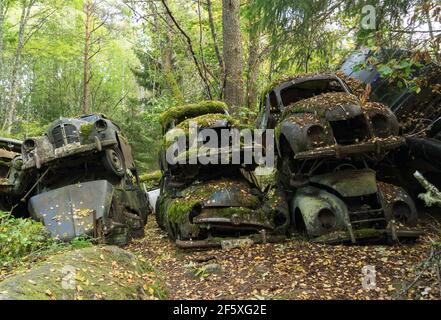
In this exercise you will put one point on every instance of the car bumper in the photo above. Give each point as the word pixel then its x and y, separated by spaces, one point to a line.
pixel 67 151
pixel 339 151
pixel 228 243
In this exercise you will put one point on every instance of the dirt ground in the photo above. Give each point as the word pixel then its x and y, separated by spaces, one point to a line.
pixel 294 269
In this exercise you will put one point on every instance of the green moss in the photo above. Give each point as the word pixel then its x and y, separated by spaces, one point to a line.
pixel 98 273
pixel 5 163
pixel 85 132
pixel 151 180
pixel 204 121
pixel 181 113
pixel 178 209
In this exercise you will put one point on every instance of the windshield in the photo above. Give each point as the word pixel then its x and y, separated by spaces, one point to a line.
pixel 308 89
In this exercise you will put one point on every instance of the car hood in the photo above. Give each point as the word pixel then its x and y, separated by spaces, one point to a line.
pixel 223 193
pixel 349 183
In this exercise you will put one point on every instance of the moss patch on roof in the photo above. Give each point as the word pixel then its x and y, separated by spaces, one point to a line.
pixel 204 121
pixel 181 113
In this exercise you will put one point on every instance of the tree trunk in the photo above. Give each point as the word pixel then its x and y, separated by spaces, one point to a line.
pixel 14 83
pixel 167 62
pixel 2 21
pixel 253 68
pixel 87 8
pixel 233 58
pixel 214 36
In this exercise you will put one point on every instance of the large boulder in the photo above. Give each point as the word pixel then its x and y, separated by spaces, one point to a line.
pixel 105 272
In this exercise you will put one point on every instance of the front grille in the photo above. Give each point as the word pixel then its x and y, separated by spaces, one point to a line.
pixel 65 134
pixel 350 131
pixel 366 211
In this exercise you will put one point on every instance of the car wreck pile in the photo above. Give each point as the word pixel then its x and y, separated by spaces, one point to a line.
pixel 79 179
pixel 336 177
pixel 208 205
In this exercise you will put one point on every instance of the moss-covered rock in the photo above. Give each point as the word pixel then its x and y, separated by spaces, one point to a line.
pixel 181 113
pixel 108 273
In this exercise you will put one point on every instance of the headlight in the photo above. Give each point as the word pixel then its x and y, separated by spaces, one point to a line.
pixel 316 135
pixel 381 125
pixel 327 219
pixel 29 145
pixel 100 125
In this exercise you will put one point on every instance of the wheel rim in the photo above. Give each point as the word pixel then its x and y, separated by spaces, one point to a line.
pixel 115 159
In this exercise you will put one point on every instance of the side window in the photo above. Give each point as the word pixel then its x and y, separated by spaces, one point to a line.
pixel 262 121
pixel 274 106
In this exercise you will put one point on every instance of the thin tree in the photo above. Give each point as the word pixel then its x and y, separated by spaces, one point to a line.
pixel 233 53
pixel 26 7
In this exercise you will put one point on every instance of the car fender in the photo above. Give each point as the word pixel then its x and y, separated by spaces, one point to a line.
pixel 309 201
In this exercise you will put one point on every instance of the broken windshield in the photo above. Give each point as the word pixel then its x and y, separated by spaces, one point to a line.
pixel 308 89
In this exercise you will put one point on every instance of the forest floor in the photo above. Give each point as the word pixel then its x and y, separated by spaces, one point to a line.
pixel 294 269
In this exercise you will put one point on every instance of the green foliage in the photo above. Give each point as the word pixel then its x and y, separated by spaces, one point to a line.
pixel 20 237
pixel 25 241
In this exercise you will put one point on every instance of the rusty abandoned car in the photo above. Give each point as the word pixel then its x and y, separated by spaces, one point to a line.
pixel 328 143
pixel 208 205
pixel 13 181
pixel 73 196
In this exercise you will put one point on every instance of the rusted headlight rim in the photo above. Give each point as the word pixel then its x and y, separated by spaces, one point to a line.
pixel 100 125
pixel 29 145
pixel 381 124
pixel 316 135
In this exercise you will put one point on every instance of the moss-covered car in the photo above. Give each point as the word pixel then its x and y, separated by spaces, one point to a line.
pixel 210 213
pixel 212 118
pixel 327 139
pixel 71 138
pixel 317 117
pixel 86 181
pixel 205 205
pixel 352 206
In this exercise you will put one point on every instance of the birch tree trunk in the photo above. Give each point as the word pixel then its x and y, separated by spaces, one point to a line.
pixel 87 9
pixel 233 54
pixel 214 36
pixel 14 79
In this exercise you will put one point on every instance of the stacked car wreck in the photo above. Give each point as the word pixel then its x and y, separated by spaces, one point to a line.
pixel 86 181
pixel 329 143
pixel 212 205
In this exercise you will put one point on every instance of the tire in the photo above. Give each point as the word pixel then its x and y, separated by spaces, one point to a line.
pixel 114 161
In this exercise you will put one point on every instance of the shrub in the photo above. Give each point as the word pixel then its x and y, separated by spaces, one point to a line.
pixel 20 237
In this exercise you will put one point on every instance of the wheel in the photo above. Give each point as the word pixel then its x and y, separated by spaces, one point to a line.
pixel 284 172
pixel 114 161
